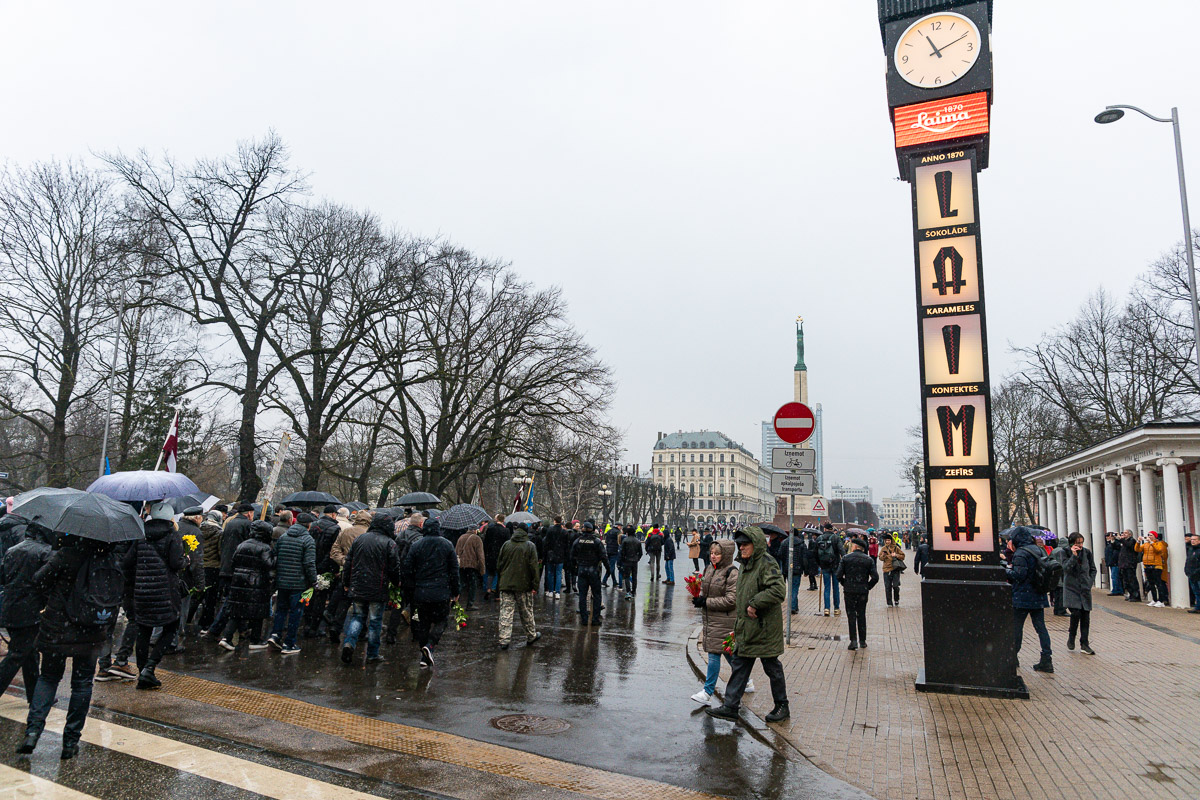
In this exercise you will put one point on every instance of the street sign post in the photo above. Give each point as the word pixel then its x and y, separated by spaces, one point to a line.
pixel 794 483
pixel 803 459
pixel 794 423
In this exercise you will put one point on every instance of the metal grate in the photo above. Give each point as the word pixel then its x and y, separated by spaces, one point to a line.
pixel 530 724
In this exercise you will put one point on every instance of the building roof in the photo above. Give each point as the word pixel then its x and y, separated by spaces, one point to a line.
pixel 699 440
pixel 1115 449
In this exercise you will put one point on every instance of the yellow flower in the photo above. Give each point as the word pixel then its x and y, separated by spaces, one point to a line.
pixel 191 542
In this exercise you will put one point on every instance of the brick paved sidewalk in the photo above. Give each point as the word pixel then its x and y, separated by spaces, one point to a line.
pixel 1124 723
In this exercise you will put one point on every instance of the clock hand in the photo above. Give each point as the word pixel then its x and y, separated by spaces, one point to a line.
pixel 935 52
pixel 956 41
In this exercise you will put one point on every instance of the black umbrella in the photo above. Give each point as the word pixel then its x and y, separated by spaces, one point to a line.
pixel 415 499
pixel 355 505
pixel 769 528
pixel 202 499
pixel 83 514
pixel 310 499
pixel 463 516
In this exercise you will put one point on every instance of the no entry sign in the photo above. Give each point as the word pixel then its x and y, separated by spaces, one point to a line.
pixel 794 423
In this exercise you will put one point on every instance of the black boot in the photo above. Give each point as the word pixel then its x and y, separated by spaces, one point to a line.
pixel 779 713
pixel 1070 642
pixel 26 747
pixel 146 679
pixel 69 751
pixel 1045 665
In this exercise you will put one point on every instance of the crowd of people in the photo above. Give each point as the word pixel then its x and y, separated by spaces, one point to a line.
pixel 245 579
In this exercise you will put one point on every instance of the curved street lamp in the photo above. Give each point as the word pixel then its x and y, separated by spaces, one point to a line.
pixel 1113 113
pixel 522 483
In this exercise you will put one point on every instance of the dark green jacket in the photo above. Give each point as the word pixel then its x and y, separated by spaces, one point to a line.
pixel 295 560
pixel 760 584
pixel 518 563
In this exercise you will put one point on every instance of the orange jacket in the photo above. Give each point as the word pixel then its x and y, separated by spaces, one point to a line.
pixel 1154 554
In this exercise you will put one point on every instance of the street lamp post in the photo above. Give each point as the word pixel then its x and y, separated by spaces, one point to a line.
pixel 604 492
pixel 1111 114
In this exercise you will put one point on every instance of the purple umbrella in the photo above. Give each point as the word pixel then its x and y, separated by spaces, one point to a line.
pixel 143 485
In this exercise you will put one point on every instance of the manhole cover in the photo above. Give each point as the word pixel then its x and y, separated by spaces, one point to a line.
pixel 529 723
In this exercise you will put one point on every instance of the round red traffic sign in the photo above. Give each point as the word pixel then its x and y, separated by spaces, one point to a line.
pixel 794 423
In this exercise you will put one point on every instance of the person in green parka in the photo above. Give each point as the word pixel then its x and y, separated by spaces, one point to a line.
pixel 758 631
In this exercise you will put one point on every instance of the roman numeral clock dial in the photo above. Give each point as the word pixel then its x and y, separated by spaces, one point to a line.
pixel 937 50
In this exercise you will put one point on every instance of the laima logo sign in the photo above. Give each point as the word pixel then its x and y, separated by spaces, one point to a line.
pixel 941 120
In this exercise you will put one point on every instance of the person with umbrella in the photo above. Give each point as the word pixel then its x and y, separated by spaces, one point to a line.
pixel 74 624
pixel 23 602
pixel 152 568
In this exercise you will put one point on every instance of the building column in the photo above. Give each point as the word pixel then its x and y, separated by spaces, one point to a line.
pixel 1072 512
pixel 1060 509
pixel 1084 516
pixel 1176 542
pixel 1097 520
pixel 1043 507
pixel 1112 520
pixel 1128 502
pixel 1149 507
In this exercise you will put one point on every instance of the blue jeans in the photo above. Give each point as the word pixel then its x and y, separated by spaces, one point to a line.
pixel 714 672
pixel 1038 615
pixel 370 614
pixel 1114 579
pixel 670 570
pixel 796 580
pixel 1195 592
pixel 827 580
pixel 554 576
pixel 490 581
pixel 612 569
pixel 288 611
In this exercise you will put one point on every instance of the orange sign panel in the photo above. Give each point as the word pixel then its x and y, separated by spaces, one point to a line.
pixel 940 120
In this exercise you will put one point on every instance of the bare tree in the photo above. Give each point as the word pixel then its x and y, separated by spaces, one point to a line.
pixel 62 278
pixel 213 218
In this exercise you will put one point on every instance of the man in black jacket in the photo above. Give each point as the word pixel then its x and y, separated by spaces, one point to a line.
pixel 631 554
pixel 324 531
pixel 1112 554
pixel 429 575
pixel 494 538
pixel 588 554
pixel 372 565
pixel 612 552
pixel 569 566
pixel 555 545
pixel 857 574
pixel 1127 562
pixel 236 531
pixel 829 555
pixel 22 607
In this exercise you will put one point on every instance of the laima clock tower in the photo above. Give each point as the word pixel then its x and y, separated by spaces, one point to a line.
pixel 939 86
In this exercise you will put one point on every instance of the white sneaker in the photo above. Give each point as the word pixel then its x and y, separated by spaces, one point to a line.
pixel 1159 604
pixel 1149 602
pixel 558 595
pixel 227 645
pixel 256 647
pixel 749 687
pixel 702 697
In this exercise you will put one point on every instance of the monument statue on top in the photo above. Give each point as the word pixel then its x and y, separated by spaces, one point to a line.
pixel 800 343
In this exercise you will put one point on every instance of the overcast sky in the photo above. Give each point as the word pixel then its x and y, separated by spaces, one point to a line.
pixel 693 174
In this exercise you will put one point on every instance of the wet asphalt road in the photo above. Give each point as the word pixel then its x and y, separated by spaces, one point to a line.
pixel 624 690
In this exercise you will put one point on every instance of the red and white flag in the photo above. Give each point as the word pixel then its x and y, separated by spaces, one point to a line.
pixel 171 447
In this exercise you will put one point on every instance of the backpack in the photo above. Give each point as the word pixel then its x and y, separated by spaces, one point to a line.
pixel 99 589
pixel 1047 572
pixel 826 551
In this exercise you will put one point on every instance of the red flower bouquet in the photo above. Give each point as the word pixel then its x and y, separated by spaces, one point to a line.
pixel 693 584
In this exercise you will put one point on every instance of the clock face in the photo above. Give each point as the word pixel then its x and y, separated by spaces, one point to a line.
pixel 937 50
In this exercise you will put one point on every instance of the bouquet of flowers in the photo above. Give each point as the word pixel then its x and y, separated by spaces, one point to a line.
pixel 395 599
pixel 191 543
pixel 460 616
pixel 693 584
pixel 306 598
pixel 727 644
pixel 324 581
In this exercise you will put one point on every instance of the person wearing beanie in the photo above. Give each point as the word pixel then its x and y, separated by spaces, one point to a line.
pixel 857 575
pixel 251 588
pixel 1026 599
